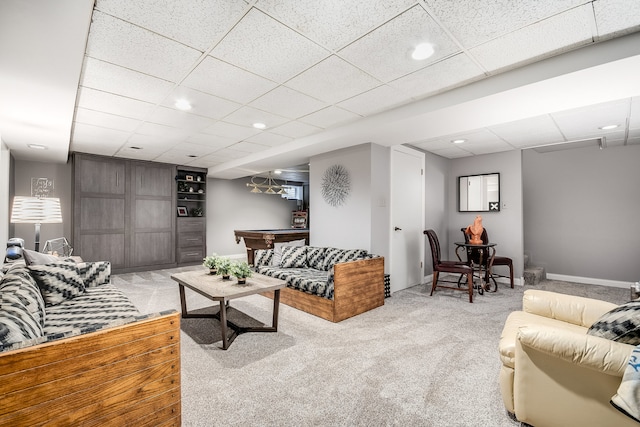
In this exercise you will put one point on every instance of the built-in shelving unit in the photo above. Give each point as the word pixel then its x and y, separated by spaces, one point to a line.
pixel 191 191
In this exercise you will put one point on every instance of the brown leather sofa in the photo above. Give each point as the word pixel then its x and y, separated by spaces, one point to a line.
pixel 553 373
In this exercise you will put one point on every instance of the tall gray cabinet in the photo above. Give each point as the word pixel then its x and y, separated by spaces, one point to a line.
pixel 124 212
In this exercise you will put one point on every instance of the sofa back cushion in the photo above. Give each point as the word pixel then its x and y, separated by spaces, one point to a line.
pixel 22 308
pixel 58 281
pixel 621 324
pixel 315 257
pixel 262 257
pixel 95 273
pixel 294 257
pixel 334 256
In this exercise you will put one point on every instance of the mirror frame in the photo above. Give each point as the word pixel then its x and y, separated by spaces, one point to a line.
pixel 493 206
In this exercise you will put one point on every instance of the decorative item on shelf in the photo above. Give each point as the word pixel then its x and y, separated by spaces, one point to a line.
pixel 188 177
pixel 182 186
pixel 197 211
pixel 336 185
pixel 182 210
pixel 224 267
pixel 269 183
pixel 475 231
pixel 241 271
pixel 198 178
pixel 190 189
pixel 201 191
pixel 211 262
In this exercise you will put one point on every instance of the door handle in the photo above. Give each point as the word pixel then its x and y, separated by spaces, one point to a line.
pixel 397 228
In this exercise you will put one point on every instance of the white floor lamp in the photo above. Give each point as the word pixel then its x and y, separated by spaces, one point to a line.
pixel 35 210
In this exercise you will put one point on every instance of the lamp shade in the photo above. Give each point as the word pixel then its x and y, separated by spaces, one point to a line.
pixel 34 210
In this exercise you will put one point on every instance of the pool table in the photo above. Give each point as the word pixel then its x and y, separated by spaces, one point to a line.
pixel 264 239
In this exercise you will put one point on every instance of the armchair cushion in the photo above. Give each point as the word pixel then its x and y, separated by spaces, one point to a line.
pixel 621 324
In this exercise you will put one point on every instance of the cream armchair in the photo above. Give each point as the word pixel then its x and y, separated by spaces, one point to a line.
pixel 553 373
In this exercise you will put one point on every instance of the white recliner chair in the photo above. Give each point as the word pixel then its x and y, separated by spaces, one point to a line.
pixel 553 373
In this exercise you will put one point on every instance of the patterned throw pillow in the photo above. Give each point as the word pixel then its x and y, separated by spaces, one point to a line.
pixel 277 250
pixel 21 308
pixel 58 281
pixel 621 324
pixel 334 256
pixel 315 257
pixel 95 273
pixel 262 257
pixel 294 257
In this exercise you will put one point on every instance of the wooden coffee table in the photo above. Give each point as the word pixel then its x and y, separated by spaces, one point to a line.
pixel 217 289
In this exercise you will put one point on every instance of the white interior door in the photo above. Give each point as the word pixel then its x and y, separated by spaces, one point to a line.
pixel 407 218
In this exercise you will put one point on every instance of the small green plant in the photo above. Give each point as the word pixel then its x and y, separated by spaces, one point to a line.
pixel 210 261
pixel 241 270
pixel 224 266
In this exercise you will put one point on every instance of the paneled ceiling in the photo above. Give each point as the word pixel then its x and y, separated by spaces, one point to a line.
pixel 322 75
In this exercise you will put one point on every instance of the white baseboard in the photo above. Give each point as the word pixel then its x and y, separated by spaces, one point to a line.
pixel 589 280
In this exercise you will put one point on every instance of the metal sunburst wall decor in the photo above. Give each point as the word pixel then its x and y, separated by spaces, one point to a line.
pixel 336 185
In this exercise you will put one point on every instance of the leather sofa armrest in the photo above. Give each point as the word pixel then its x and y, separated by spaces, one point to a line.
pixel 567 308
pixel 600 354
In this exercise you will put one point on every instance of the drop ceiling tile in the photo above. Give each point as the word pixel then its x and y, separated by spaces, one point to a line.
pixel 452 153
pixel 446 74
pixel 172 156
pixel 92 148
pixel 192 149
pixel 98 118
pixel 534 42
pixel 584 122
pixel 634 118
pixel 265 47
pixel 249 147
pixel 434 144
pixel 131 153
pixel 330 116
pixel 117 80
pixel 487 148
pixel 492 19
pixel 119 42
pixel 196 23
pixel 224 80
pixel 616 17
pixel 97 100
pixel 151 142
pixel 88 134
pixel 247 116
pixel 179 119
pixel 333 80
pixel 230 130
pixel 202 103
pixel 296 129
pixel 376 100
pixel 163 131
pixel 529 132
pixel 209 140
pixel 288 103
pixel 205 162
pixel 270 139
pixel 230 154
pixel 333 23
pixel 386 52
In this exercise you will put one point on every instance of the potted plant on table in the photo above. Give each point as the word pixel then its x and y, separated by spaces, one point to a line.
pixel 211 263
pixel 224 267
pixel 241 270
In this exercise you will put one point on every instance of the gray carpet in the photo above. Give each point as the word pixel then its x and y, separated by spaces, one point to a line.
pixel 416 361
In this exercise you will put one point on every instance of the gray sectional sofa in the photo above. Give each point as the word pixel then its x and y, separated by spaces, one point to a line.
pixel 331 283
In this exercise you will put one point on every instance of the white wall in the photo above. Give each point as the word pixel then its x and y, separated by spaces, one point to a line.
pixel 436 201
pixel 230 206
pixel 348 226
pixel 505 227
pixel 5 202
pixel 380 197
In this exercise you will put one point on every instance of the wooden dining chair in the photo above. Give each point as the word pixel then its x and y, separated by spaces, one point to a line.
pixel 455 267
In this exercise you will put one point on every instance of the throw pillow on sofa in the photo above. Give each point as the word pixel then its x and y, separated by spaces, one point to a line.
pixel 315 257
pixel 334 256
pixel 262 257
pixel 58 281
pixel 294 257
pixel 621 324
pixel 277 250
pixel 21 308
pixel 95 273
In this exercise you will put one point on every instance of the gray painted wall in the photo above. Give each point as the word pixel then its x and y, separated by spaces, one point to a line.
pixel 504 227
pixel 230 206
pixel 436 201
pixel 61 174
pixel 5 191
pixel 581 212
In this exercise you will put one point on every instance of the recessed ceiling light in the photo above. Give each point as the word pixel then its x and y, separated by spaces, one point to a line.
pixel 422 51
pixel 459 141
pixel 37 147
pixel 259 125
pixel 608 127
pixel 277 171
pixel 182 104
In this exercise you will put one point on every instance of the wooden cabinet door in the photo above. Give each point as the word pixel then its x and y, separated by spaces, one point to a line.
pixel 152 214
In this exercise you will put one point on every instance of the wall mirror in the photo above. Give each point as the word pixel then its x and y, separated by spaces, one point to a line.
pixel 479 193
